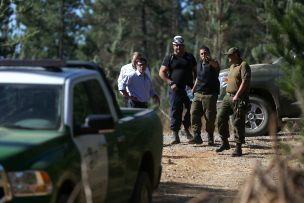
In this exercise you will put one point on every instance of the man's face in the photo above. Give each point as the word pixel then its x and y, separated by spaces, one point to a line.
pixel 232 58
pixel 141 67
pixel 178 48
pixel 204 55
pixel 134 58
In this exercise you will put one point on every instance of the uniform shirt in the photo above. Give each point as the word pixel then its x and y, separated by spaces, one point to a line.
pixel 139 86
pixel 127 70
pixel 207 78
pixel 180 69
pixel 237 73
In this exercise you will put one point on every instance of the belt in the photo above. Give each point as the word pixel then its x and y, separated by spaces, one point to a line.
pixel 230 94
pixel 206 93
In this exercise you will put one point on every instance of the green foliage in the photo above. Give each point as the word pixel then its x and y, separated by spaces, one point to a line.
pixel 287 29
pixel 288 36
pixel 49 28
pixel 7 45
pixel 223 24
pixel 108 31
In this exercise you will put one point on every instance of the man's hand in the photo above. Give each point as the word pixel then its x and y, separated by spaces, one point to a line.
pixel 174 87
pixel 213 62
pixel 234 98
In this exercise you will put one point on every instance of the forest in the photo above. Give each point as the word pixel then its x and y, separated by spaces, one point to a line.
pixel 108 31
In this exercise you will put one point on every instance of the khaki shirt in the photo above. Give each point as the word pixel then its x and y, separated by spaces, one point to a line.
pixel 237 73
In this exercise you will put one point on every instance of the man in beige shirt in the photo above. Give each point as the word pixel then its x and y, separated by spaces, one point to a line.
pixel 235 102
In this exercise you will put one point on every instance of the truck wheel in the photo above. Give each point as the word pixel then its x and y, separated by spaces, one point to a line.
pixel 143 189
pixel 257 118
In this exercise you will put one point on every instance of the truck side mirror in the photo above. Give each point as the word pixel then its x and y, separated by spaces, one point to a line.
pixel 100 123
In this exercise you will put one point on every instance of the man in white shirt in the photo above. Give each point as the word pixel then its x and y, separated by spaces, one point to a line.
pixel 140 88
pixel 129 69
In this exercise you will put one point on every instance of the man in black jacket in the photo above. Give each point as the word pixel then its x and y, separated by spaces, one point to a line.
pixel 178 70
pixel 206 89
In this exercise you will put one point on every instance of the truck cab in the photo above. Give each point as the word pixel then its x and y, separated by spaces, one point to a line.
pixel 63 137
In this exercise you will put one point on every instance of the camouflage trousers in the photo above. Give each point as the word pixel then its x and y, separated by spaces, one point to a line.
pixel 238 111
pixel 203 106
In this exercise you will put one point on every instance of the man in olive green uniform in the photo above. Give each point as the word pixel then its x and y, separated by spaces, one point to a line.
pixel 205 89
pixel 235 102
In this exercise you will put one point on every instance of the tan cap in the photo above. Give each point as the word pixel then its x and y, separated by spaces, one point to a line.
pixel 233 50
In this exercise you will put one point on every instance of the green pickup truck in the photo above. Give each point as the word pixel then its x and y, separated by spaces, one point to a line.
pixel 63 137
pixel 265 98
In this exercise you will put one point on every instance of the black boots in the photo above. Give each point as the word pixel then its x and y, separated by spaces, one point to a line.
pixel 238 150
pixel 210 139
pixel 175 137
pixel 197 139
pixel 225 146
pixel 188 134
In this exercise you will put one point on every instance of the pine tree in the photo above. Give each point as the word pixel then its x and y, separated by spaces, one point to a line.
pixel 49 28
pixel 287 30
pixel 116 30
pixel 288 36
pixel 7 46
pixel 223 24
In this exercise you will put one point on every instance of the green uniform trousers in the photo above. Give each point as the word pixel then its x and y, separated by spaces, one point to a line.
pixel 203 105
pixel 238 111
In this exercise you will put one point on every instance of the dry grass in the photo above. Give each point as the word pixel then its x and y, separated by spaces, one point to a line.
pixel 261 188
pixel 196 173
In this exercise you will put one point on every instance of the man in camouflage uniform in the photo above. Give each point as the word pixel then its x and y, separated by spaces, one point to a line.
pixel 235 101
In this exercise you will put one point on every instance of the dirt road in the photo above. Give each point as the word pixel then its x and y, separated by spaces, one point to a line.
pixel 197 170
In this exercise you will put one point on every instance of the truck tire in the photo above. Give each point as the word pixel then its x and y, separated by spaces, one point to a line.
pixel 143 189
pixel 257 117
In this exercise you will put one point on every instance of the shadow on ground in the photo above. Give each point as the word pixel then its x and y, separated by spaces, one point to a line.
pixel 172 192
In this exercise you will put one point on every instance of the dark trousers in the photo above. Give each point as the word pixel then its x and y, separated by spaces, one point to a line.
pixel 178 101
pixel 126 101
pixel 138 104
pixel 203 105
pixel 238 112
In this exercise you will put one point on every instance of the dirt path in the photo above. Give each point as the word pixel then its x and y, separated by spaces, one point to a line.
pixel 197 170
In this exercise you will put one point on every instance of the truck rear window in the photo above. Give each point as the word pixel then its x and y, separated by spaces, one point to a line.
pixel 30 106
